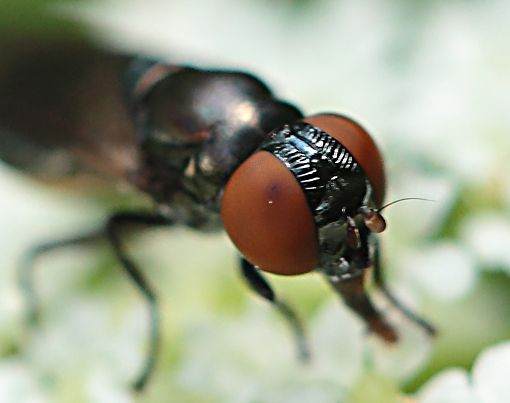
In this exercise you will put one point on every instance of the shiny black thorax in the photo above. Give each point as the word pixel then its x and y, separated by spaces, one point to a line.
pixel 195 128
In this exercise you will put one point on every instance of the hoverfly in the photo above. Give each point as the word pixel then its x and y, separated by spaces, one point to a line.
pixel 212 149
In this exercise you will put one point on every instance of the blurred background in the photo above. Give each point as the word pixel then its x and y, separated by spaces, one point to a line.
pixel 430 80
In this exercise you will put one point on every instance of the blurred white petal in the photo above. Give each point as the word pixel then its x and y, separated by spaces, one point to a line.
pixel 488 236
pixel 444 270
pixel 337 341
pixel 491 374
pixel 101 388
pixel 400 361
pixel 223 357
pixel 18 385
pixel 83 338
pixel 488 382
pixel 448 386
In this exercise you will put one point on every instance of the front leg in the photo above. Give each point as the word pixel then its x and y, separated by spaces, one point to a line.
pixel 27 267
pixel 259 284
pixel 113 230
pixel 379 281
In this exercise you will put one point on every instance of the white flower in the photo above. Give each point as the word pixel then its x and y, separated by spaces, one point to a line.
pixel 487 383
pixel 488 235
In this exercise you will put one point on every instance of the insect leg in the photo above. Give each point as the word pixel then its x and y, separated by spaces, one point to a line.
pixel 259 284
pixel 355 296
pixel 115 223
pixel 27 266
pixel 379 281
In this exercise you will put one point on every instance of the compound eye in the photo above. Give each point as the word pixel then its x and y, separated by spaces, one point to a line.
pixel 357 141
pixel 265 213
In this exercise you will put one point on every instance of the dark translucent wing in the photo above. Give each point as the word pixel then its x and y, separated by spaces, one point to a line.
pixel 61 109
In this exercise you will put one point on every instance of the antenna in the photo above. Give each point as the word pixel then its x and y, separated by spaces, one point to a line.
pixel 403 199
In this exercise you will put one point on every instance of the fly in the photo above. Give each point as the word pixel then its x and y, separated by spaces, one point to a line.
pixel 213 150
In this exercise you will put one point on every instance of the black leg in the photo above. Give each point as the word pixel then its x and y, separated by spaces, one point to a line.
pixel 379 281
pixel 113 230
pixel 261 287
pixel 113 233
pixel 27 266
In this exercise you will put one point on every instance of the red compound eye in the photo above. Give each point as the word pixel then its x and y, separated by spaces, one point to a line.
pixel 357 141
pixel 265 213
